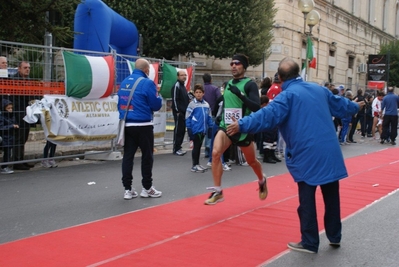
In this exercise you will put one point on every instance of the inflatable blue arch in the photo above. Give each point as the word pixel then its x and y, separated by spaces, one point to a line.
pixel 99 28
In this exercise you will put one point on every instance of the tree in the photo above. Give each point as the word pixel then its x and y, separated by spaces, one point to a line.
pixel 212 28
pixel 392 49
pixel 26 21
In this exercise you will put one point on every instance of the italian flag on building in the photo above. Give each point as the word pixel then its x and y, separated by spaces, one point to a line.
pixel 88 77
pixel 310 56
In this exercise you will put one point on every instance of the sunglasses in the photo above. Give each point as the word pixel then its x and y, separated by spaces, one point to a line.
pixel 237 63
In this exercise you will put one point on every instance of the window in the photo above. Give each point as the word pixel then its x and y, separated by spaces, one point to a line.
pixel 351 62
pixel 397 20
pixel 371 12
pixel 331 74
pixel 385 13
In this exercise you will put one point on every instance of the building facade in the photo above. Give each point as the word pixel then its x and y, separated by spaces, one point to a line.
pixel 348 31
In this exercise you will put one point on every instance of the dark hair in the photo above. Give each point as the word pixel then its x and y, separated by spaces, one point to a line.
pixel 198 87
pixel 288 69
pixel 207 78
pixel 264 99
pixel 335 91
pixel 266 83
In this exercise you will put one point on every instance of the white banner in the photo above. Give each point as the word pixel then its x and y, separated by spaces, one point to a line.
pixel 72 122
pixel 69 121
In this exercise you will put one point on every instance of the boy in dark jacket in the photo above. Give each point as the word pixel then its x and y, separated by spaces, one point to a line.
pixel 7 126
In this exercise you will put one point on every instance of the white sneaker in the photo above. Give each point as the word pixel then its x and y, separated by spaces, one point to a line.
pixel 197 168
pixel 52 163
pixel 209 164
pixel 226 167
pixel 230 161
pixel 244 164
pixel 7 170
pixel 129 194
pixel 202 167
pixel 46 164
pixel 152 192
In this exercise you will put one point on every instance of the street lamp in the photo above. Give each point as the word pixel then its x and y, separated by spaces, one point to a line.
pixel 305 6
pixel 310 17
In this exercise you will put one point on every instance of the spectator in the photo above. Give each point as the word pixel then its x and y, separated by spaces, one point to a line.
pixel 377 120
pixel 389 106
pixel 212 93
pixel 3 63
pixel 180 102
pixel 359 117
pixel 346 121
pixel 49 152
pixel 265 85
pixel 23 70
pixel 139 128
pixel 198 120
pixel 8 124
pixel 22 133
pixel 313 159
pixel 270 137
pixel 275 88
pixel 241 97
pixel 369 115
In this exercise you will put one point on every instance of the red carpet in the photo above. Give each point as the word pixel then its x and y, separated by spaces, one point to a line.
pixel 241 231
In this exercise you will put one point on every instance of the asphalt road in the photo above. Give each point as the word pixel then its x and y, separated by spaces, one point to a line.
pixel 81 191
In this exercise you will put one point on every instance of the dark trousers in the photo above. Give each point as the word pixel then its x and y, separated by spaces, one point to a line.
pixel 21 136
pixel 49 147
pixel 6 155
pixel 355 120
pixel 308 217
pixel 179 131
pixel 195 153
pixel 138 137
pixel 389 127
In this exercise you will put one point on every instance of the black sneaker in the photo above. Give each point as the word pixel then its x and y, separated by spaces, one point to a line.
pixel 393 143
pixel 299 247
pixel 335 245
pixel 382 141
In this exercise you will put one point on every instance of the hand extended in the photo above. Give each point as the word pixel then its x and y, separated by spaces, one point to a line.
pixel 235 91
pixel 233 128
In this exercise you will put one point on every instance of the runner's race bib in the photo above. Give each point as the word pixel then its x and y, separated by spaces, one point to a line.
pixel 229 113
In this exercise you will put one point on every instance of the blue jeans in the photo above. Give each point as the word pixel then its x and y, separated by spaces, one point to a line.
pixel 308 216
pixel 135 137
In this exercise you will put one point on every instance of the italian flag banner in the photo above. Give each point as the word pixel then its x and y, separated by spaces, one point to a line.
pixel 153 70
pixel 310 58
pixel 88 77
pixel 169 78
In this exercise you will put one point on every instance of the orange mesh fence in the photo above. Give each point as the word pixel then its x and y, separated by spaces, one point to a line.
pixel 29 87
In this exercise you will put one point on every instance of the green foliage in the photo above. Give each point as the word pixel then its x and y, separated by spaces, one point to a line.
pixel 169 27
pixel 212 28
pixel 26 22
pixel 392 49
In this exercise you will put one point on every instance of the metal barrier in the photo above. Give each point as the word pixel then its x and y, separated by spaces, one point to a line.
pixel 47 78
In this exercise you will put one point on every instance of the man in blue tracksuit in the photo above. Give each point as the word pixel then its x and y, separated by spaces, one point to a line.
pixel 313 154
pixel 139 128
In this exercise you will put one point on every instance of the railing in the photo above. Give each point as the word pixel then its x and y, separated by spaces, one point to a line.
pixel 47 76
